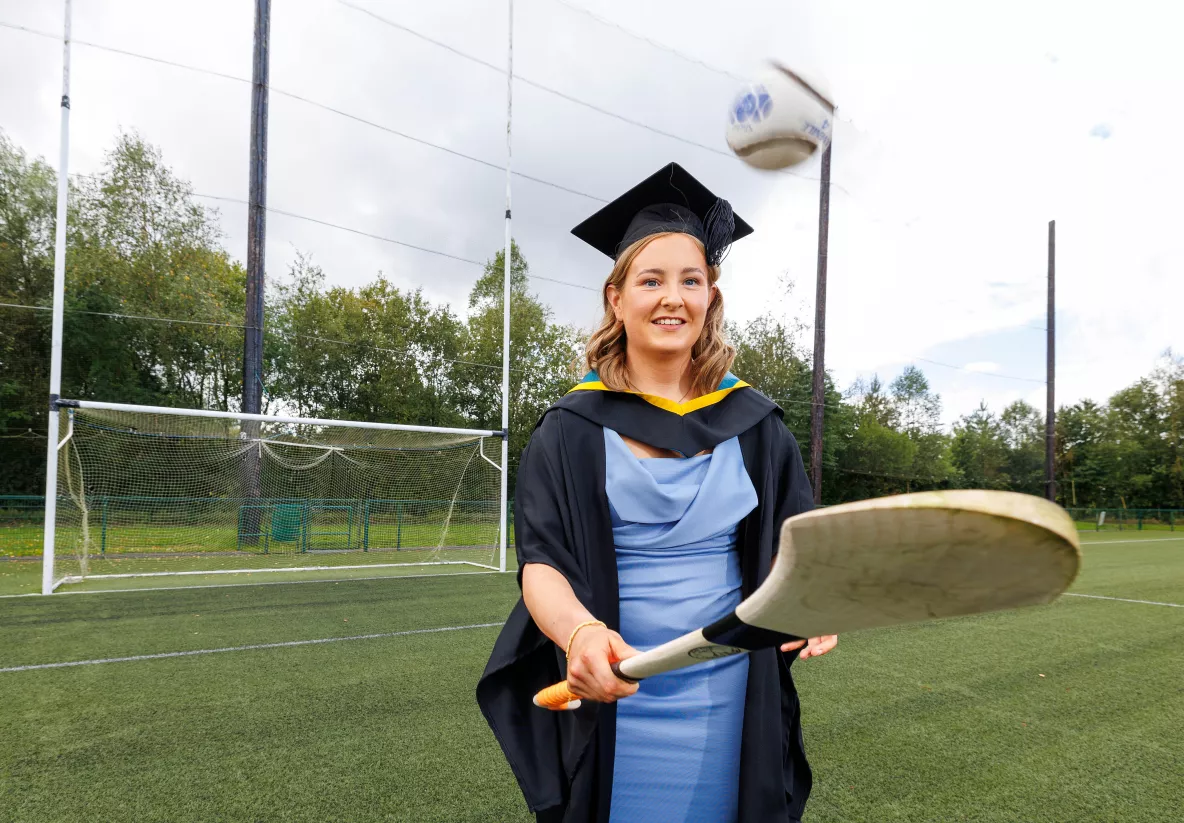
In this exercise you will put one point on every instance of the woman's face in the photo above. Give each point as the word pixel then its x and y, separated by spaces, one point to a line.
pixel 664 298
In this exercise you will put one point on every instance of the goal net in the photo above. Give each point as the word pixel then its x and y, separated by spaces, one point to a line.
pixel 161 493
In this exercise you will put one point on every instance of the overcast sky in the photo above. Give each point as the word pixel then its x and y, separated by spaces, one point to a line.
pixel 964 128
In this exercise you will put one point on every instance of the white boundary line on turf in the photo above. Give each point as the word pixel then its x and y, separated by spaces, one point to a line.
pixel 252 647
pixel 282 569
pixel 1149 540
pixel 265 583
pixel 1125 600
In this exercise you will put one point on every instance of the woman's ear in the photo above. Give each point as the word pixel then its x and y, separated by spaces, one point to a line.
pixel 614 300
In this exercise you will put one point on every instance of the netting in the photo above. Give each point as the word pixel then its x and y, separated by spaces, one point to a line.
pixel 158 493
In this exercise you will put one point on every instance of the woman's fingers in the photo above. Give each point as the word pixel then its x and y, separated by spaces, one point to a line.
pixel 818 646
pixel 791 645
pixel 618 650
pixel 589 671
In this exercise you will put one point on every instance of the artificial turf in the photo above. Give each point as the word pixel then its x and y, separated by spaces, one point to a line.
pixel 1068 712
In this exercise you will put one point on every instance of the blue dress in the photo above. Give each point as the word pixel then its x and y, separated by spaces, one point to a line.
pixel 674 531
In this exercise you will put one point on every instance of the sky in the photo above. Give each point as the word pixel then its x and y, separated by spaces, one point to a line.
pixel 963 130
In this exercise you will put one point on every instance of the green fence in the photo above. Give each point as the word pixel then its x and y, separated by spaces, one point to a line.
pixel 261 525
pixel 1119 519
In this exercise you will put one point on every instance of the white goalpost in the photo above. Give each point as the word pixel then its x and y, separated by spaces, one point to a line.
pixel 59 290
pixel 148 491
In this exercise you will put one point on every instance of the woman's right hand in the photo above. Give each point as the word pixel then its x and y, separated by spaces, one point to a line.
pixel 589 675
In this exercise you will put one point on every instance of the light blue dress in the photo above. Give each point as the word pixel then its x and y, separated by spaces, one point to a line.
pixel 674 529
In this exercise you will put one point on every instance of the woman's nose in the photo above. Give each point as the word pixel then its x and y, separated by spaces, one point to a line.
pixel 671 297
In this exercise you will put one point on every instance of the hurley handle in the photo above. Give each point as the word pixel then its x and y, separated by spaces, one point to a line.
pixel 560 697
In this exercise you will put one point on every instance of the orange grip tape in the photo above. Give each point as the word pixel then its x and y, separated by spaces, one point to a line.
pixel 557 698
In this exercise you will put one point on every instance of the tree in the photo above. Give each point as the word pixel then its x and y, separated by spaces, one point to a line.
pixel 979 450
pixel 916 408
pixel 1022 428
pixel 27 203
pixel 139 246
pixel 1082 454
pixel 874 402
pixel 769 355
pixel 1135 425
pixel 1169 378
pixel 153 313
pixel 373 353
pixel 543 355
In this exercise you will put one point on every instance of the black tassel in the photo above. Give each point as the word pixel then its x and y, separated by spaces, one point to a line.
pixel 718 228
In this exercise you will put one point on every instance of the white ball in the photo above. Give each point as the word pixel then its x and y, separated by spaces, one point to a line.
pixel 775 122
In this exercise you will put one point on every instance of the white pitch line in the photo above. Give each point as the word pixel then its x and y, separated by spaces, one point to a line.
pixel 260 583
pixel 281 569
pixel 1149 540
pixel 1125 600
pixel 253 647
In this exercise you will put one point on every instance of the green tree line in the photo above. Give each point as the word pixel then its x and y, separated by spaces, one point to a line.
pixel 141 246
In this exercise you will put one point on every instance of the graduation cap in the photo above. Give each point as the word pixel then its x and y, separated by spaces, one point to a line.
pixel 668 200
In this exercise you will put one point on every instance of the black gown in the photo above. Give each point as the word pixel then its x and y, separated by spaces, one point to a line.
pixel 563 761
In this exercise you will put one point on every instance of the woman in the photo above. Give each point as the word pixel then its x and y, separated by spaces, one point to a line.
pixel 648 504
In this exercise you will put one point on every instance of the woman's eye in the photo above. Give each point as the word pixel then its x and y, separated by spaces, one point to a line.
pixel 651 282
pixel 691 281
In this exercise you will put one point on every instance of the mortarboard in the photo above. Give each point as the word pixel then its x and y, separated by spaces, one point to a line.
pixel 668 200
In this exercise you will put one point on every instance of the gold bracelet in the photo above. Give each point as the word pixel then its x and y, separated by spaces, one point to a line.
pixel 572 636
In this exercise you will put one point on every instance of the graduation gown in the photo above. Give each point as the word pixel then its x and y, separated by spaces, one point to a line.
pixel 563 761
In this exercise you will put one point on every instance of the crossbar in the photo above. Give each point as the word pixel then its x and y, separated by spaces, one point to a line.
pixel 270 418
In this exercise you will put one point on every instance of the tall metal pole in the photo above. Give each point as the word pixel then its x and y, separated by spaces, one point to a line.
pixel 257 215
pixel 256 248
pixel 505 479
pixel 59 293
pixel 1050 431
pixel 818 396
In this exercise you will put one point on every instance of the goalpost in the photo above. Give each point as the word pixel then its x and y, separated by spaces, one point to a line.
pixel 147 491
pixel 135 491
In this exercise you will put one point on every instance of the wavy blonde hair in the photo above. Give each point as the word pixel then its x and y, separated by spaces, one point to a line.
pixel 606 351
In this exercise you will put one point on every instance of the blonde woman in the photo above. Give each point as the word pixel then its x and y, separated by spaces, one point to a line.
pixel 648 503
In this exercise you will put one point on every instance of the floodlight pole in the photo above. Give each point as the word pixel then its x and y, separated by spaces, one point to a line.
pixel 256 255
pixel 818 392
pixel 59 292
pixel 1050 429
pixel 257 214
pixel 503 526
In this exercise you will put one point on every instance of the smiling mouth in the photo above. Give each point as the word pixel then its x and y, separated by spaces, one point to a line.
pixel 669 322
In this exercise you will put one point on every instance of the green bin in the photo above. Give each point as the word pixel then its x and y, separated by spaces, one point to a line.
pixel 286 523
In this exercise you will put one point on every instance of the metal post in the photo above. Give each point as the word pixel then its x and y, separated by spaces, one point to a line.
pixel 257 215
pixel 502 525
pixel 256 248
pixel 819 390
pixel 59 292
pixel 1050 432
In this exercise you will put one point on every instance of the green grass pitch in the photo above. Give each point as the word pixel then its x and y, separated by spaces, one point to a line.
pixel 24 539
pixel 1069 712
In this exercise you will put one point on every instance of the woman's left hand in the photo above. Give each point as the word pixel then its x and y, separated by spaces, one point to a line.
pixel 814 647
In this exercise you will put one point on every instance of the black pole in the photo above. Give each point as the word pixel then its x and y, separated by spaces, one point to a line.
pixel 819 389
pixel 257 215
pixel 1050 432
pixel 251 519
